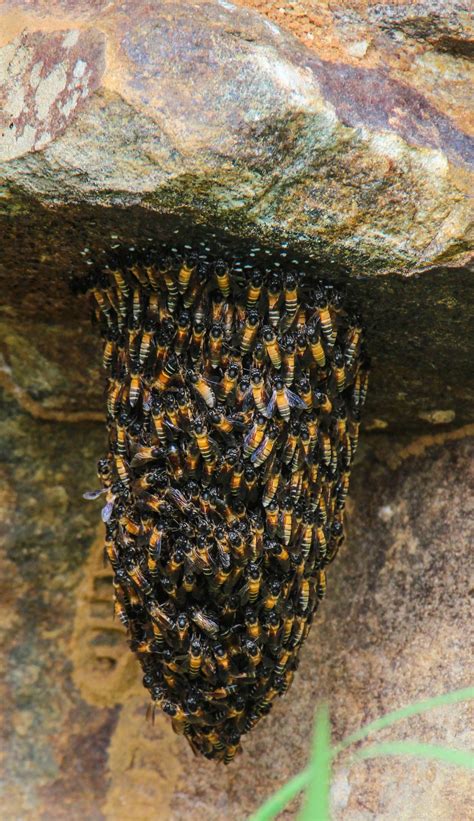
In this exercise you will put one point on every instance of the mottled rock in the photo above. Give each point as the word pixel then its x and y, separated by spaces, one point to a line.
pixel 229 118
pixel 207 122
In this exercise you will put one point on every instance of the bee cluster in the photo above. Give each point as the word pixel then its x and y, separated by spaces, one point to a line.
pixel 233 412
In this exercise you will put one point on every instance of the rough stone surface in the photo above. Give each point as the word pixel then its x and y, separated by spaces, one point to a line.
pixel 229 117
pixel 394 628
pixel 121 123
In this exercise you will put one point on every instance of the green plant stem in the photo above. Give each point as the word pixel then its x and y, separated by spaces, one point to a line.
pixel 404 712
pixel 316 804
pixel 278 801
pixel 462 758
pixel 290 790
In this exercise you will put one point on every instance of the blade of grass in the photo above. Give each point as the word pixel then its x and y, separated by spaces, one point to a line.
pixel 404 712
pixel 316 804
pixel 278 801
pixel 462 758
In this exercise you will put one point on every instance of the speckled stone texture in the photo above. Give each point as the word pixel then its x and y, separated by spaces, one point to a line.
pixel 121 123
pixel 394 628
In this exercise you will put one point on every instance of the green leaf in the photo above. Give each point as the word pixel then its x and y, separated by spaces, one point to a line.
pixel 278 801
pixel 283 796
pixel 462 758
pixel 316 805
pixel 404 712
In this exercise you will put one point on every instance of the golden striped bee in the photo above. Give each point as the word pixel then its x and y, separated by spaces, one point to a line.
pixel 234 399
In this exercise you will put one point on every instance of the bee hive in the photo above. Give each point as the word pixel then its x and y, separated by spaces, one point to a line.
pixel 233 411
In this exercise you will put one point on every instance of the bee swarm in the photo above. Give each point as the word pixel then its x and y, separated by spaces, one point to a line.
pixel 233 412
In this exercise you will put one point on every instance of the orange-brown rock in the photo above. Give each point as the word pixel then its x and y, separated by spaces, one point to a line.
pixel 210 109
pixel 206 120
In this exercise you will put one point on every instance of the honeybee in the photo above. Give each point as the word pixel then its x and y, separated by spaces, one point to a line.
pixel 222 660
pixel 272 347
pixel 252 624
pixel 291 300
pixel 321 587
pixel 353 338
pixel 170 282
pixel 222 422
pixel 284 399
pixel 289 358
pixel 223 549
pixel 121 613
pixel 122 469
pixel 288 621
pixel 250 480
pixel 120 281
pixel 183 330
pixel 242 392
pixel 254 580
pixel 195 657
pixel 272 594
pixel 202 388
pixel 339 370
pixel 167 373
pixel 254 290
pixel 291 442
pixel 135 573
pixel 222 276
pixel 274 295
pixel 229 382
pixel 110 347
pixel 287 521
pixel 146 341
pixel 204 443
pixel 205 623
pixel 258 390
pixel 197 339
pixel 316 348
pixel 216 336
pixel 184 274
pixel 254 436
pixel 237 544
pixel 253 653
pixel 249 331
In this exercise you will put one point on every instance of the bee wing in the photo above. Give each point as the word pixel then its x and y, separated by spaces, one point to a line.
pixel 157 548
pixel 271 405
pixel 249 435
pixel 140 459
pixel 106 512
pixel 178 498
pixel 247 400
pixel 196 561
pixel 94 494
pixel 238 424
pixel 148 501
pixel 255 455
pixel 295 401
pixel 223 556
pixel 206 624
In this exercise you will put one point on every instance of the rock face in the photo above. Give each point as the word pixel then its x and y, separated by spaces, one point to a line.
pixel 206 121
pixel 392 630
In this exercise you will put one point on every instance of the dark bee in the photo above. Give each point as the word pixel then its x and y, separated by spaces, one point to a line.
pixel 233 414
